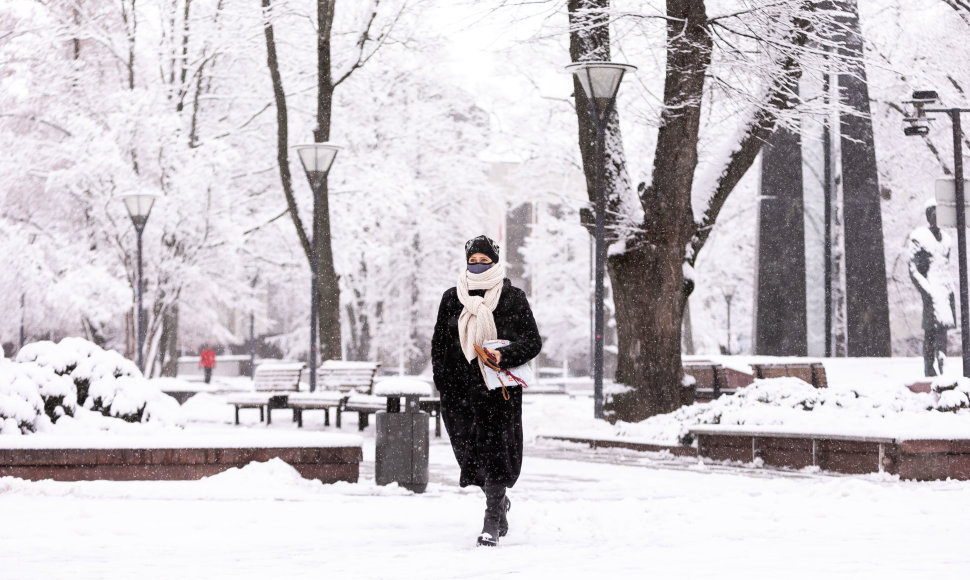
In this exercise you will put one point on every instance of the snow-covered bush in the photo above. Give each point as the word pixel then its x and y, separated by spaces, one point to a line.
pixel 83 361
pixel 32 396
pixel 133 399
pixel 20 402
pixel 783 401
pixel 954 394
pixel 76 372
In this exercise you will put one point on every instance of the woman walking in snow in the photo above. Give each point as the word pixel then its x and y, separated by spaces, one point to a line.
pixel 485 429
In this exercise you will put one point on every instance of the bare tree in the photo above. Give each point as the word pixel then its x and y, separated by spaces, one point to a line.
pixel 368 42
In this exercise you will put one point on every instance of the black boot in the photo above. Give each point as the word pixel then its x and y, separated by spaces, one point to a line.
pixel 495 508
pixel 503 523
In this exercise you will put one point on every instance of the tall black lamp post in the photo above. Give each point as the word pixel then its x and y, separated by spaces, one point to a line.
pixel 600 82
pixel 317 159
pixel 917 124
pixel 139 207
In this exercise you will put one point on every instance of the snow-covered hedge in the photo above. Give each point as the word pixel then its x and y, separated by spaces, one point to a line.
pixel 48 381
pixel 954 394
pixel 795 403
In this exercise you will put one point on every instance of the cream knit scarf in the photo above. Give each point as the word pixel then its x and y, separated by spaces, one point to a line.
pixel 476 323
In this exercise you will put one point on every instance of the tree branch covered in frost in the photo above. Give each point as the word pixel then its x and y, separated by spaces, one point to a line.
pixel 962 8
pixel 795 37
pixel 782 95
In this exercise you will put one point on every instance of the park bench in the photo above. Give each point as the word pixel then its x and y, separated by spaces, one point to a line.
pixel 812 373
pixel 364 406
pixel 319 400
pixel 709 380
pixel 347 376
pixel 272 383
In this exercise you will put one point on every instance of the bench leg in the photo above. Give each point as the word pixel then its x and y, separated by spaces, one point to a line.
pixel 261 418
pixel 338 417
pixel 269 414
pixel 298 417
pixel 361 420
pixel 237 414
pixel 437 424
pixel 326 417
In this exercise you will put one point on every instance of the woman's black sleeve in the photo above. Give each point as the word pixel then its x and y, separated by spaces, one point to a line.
pixel 528 343
pixel 439 346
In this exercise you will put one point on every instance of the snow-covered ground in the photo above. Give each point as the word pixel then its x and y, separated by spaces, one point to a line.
pixel 576 513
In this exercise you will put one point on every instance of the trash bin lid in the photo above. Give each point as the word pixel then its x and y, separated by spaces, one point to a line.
pixel 402 387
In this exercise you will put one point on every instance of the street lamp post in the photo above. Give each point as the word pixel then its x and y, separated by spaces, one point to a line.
pixel 316 159
pixel 600 82
pixel 139 207
pixel 918 125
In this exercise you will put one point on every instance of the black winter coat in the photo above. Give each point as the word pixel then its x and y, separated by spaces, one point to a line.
pixel 485 429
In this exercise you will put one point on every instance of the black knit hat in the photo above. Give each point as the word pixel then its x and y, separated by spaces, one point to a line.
pixel 481 244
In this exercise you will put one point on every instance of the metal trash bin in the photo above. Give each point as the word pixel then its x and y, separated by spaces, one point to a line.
pixel 402 444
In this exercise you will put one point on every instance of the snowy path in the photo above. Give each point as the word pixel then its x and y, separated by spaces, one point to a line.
pixel 613 515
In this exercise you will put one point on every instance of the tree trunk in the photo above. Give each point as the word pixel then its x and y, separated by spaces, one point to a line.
pixel 328 283
pixel 867 300
pixel 648 279
pixel 168 349
pixel 648 293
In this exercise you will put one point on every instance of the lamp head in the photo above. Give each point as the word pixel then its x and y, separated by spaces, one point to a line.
pixel 600 81
pixel 317 159
pixel 139 206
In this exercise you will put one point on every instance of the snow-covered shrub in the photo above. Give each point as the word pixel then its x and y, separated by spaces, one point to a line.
pixel 954 394
pixel 100 380
pixel 81 360
pixel 133 399
pixel 781 401
pixel 20 402
pixel 32 397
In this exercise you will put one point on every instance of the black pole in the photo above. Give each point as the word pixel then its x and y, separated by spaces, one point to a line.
pixel 961 237
pixel 600 267
pixel 314 276
pixel 827 216
pixel 139 323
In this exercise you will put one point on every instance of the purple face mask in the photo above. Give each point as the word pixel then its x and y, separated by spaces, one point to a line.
pixel 478 268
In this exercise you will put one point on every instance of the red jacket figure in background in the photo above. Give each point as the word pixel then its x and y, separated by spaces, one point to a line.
pixel 207 360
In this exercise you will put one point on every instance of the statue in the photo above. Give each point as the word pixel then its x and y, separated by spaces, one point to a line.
pixel 929 263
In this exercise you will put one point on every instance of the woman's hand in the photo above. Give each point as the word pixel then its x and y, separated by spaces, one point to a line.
pixel 496 355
